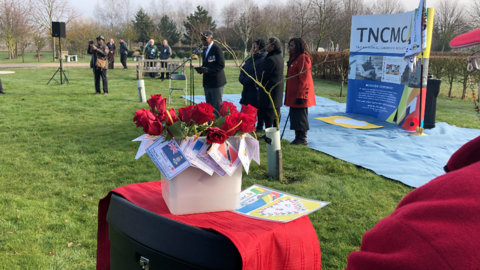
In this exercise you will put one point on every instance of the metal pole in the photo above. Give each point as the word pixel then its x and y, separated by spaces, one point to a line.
pixel 61 62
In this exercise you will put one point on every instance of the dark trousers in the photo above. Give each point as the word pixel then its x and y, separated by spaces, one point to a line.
pixel 267 117
pixel 123 59
pixel 1 87
pixel 299 119
pixel 164 65
pixel 213 96
pixel 103 74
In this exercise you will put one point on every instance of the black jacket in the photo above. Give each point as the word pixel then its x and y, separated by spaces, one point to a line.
pixel 165 52
pixel 250 92
pixel 215 62
pixel 272 72
pixel 111 47
pixel 123 48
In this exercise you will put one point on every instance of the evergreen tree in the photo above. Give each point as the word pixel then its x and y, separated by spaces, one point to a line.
pixel 168 30
pixel 144 26
pixel 196 23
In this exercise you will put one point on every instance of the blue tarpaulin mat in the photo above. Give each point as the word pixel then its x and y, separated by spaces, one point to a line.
pixel 387 151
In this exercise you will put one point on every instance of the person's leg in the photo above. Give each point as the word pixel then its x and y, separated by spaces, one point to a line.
pixel 299 123
pixel 268 118
pixel 97 73
pixel 162 67
pixel 123 59
pixel 217 94
pixel 105 81
pixel 1 88
pixel 208 95
pixel 260 119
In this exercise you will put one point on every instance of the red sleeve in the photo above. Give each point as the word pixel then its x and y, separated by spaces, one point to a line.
pixel 468 154
pixel 303 64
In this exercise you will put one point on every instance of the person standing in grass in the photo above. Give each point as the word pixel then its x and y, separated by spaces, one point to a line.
pixel 271 76
pixel 99 54
pixel 1 88
pixel 151 52
pixel 165 53
pixel 111 53
pixel 123 53
pixel 252 64
pixel 299 94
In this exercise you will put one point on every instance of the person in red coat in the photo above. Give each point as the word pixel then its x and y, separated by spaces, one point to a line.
pixel 299 94
pixel 436 226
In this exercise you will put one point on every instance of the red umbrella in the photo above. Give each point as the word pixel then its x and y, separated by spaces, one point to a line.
pixel 466 40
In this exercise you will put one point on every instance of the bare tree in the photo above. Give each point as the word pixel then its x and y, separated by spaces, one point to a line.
pixel 44 12
pixel 14 22
pixel 343 25
pixel 325 13
pixel 474 10
pixel 302 14
pixel 386 7
pixel 276 20
pixel 24 43
pixel 39 41
pixel 449 22
pixel 243 18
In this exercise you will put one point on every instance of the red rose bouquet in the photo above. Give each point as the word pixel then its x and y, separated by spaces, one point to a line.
pixel 195 120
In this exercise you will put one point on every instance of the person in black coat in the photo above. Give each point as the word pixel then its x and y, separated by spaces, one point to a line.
pixel 212 69
pixel 123 53
pixel 250 92
pixel 271 73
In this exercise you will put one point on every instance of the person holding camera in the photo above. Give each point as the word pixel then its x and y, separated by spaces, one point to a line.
pixel 212 69
pixel 151 52
pixel 99 63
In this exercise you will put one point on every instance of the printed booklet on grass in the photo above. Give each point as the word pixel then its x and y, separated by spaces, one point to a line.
pixel 270 204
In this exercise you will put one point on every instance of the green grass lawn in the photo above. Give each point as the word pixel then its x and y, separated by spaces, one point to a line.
pixel 63 148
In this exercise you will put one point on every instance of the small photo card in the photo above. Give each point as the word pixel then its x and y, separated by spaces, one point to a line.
pixel 168 157
pixel 226 156
pixel 203 156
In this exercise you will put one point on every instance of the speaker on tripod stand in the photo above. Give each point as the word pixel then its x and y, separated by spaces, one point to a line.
pixel 58 30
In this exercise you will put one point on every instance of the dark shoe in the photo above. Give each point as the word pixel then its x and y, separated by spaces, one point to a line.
pixel 259 130
pixel 1 91
pixel 299 142
pixel 262 137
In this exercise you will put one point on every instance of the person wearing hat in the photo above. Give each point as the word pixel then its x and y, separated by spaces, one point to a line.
pixel 212 69
pixel 99 63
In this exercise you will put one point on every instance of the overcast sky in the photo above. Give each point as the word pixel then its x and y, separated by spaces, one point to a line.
pixel 86 6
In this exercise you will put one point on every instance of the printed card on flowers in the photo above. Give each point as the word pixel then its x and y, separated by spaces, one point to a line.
pixel 191 149
pixel 168 157
pixel 203 156
pixel 269 204
pixel 253 147
pixel 226 156
pixel 145 137
pixel 143 147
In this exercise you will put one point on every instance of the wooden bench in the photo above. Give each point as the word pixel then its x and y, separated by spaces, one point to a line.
pixel 157 65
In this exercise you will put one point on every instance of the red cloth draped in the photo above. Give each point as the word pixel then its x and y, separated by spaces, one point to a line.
pixel 436 226
pixel 262 244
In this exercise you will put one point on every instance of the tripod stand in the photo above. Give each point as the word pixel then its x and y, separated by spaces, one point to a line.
pixel 62 72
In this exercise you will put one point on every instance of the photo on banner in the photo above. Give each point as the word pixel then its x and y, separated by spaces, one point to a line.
pixel 380 83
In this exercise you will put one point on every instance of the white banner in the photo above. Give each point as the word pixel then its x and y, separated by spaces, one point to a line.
pixel 381 34
pixel 417 41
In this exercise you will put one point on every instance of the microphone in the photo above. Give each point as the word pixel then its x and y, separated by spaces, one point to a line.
pixel 198 48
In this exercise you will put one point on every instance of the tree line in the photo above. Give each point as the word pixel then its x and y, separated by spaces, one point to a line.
pixel 322 23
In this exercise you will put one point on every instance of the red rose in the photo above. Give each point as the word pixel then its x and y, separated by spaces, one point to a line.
pixel 142 117
pixel 248 123
pixel 157 101
pixel 230 125
pixel 203 113
pixel 155 127
pixel 173 116
pixel 228 106
pixel 249 109
pixel 185 113
pixel 215 135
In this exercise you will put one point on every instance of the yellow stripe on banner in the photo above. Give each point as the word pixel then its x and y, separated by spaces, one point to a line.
pixel 430 16
pixel 347 122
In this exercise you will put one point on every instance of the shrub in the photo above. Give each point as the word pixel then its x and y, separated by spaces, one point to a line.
pixel 130 53
pixel 180 55
pixel 174 54
pixel 227 55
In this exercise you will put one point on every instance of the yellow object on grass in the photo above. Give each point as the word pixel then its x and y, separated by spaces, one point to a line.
pixel 347 122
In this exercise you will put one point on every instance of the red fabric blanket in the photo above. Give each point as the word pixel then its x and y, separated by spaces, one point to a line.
pixel 436 226
pixel 262 244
